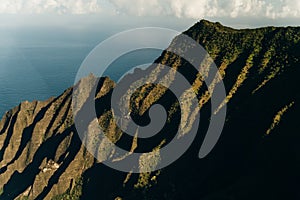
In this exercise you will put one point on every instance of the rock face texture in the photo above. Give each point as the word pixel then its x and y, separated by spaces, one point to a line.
pixel 257 156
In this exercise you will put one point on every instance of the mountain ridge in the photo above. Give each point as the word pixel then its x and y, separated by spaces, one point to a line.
pixel 39 142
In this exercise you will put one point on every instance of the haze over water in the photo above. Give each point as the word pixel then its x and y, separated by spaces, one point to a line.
pixel 35 65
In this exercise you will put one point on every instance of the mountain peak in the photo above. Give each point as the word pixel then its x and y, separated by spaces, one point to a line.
pixel 207 27
pixel 209 23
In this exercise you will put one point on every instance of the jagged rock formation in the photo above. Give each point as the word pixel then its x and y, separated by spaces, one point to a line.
pixel 257 156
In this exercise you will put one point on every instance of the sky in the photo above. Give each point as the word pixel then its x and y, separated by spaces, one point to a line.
pixel 179 14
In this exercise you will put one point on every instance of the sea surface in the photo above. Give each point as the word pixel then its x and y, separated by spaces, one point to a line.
pixel 34 70
pixel 37 72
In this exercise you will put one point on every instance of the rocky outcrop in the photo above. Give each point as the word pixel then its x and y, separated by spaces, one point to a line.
pixel 40 149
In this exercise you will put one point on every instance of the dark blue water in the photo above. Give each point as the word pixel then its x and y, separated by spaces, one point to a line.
pixel 37 73
pixel 40 71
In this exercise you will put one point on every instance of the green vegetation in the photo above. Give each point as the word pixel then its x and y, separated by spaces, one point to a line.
pixel 258 69
pixel 23 198
pixel 278 117
pixel 72 193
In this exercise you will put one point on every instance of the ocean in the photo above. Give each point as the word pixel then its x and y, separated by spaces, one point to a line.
pixel 37 69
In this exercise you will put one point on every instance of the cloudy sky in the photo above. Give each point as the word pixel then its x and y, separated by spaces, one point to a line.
pixel 233 12
pixel 179 8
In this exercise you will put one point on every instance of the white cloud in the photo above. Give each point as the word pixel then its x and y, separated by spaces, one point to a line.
pixel 49 6
pixel 211 8
pixel 288 8
pixel 194 9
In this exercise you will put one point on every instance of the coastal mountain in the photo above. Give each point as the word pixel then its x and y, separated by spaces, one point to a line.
pixel 256 157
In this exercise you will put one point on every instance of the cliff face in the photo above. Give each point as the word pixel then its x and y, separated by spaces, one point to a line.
pixel 257 156
pixel 41 153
